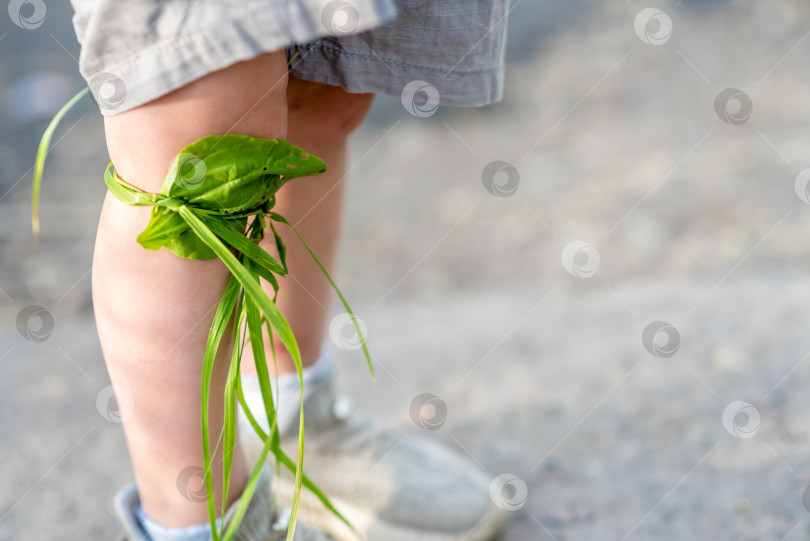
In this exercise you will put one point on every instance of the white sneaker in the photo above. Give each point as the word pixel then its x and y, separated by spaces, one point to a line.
pixel 392 485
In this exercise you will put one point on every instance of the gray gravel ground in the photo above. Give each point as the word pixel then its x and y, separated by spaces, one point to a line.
pixel 619 144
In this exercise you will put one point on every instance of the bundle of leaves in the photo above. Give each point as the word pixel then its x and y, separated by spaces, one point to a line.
pixel 203 211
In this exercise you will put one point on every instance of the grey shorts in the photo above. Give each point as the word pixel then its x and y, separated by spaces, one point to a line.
pixel 451 51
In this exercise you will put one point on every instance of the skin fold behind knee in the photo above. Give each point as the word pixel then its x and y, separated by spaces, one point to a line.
pixel 321 118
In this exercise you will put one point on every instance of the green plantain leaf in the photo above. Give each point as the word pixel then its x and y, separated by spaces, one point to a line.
pixel 164 225
pixel 234 173
pixel 230 176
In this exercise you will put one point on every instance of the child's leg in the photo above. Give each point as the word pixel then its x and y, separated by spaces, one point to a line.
pixel 321 118
pixel 153 309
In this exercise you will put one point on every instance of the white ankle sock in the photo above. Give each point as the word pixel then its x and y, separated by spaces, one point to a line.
pixel 159 532
pixel 287 399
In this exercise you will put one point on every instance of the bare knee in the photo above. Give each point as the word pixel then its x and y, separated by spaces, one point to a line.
pixel 248 98
pixel 321 113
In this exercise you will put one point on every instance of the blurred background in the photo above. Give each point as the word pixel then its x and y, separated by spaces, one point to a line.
pixel 614 313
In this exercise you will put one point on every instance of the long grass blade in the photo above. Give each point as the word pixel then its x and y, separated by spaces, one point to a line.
pixel 275 318
pixel 280 248
pixel 244 245
pixel 219 325
pixel 42 153
pixel 229 420
pixel 254 325
pixel 247 494
pixel 250 285
pixel 257 342
pixel 286 461
pixel 128 193
pixel 283 220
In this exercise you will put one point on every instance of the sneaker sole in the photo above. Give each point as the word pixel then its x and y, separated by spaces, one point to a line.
pixel 319 517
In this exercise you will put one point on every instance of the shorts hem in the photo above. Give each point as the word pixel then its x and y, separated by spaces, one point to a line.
pixel 329 65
